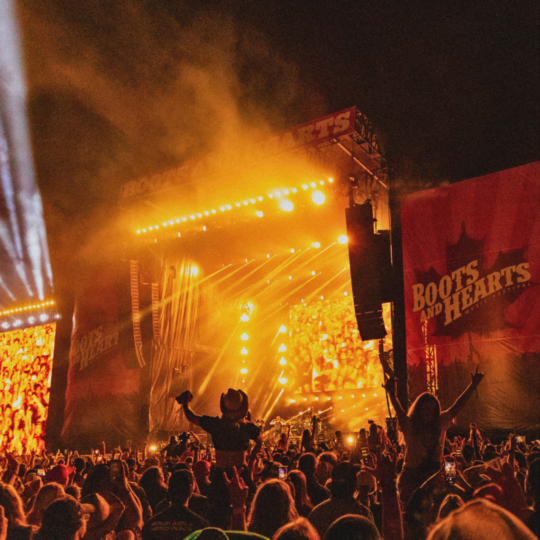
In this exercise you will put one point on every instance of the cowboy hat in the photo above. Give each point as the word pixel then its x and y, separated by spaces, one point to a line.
pixel 234 404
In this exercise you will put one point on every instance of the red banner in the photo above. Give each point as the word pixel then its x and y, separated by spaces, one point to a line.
pixel 471 254
pixel 102 398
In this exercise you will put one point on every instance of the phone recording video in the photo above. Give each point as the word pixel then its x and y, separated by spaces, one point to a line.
pixel 40 472
pixel 519 439
pixel 450 471
pixel 115 470
pixel 282 473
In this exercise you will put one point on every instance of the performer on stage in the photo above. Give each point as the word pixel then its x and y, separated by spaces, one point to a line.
pixel 231 435
pixel 278 424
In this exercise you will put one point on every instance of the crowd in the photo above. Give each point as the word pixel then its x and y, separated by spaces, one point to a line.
pixel 421 486
pixel 25 371
pixel 326 351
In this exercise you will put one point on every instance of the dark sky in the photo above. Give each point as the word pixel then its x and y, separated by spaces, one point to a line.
pixel 119 90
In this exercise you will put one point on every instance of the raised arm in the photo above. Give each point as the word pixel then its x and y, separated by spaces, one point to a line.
pixel 184 399
pixel 390 387
pixel 476 379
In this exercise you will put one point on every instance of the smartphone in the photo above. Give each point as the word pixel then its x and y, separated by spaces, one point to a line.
pixel 519 439
pixel 450 472
pixel 40 472
pixel 115 470
pixel 282 472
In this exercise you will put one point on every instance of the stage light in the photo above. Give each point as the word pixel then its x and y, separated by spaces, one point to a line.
pixel 322 297
pixel 199 215
pixel 350 439
pixel 283 380
pixel 286 205
pixel 316 244
pixel 278 194
pixel 204 228
pixel 313 184
pixel 305 186
pixel 259 213
pixel 228 206
pixel 374 395
pixel 244 317
pixel 340 397
pixel 285 191
pixel 282 361
pixel 31 319
pixel 17 322
pixel 245 203
pixel 206 213
pixel 313 272
pixel 290 277
pixel 238 204
pixel 330 180
pixel 194 271
pixel 292 400
pixel 139 232
pixel 184 219
pixel 244 351
pixel 153 448
pixel 43 317
pixel 294 190
pixel 150 228
pixel 282 329
pixel 192 216
pixel 213 211
pixel 321 182
pixel 345 293
pixel 316 399
pixel 268 255
pixel 5 325
pixel 252 201
pixel 179 235
pixel 318 197
pixel 244 370
pixel 259 198
pixel 270 195
pixel 244 337
pixel 343 239
pixel 282 348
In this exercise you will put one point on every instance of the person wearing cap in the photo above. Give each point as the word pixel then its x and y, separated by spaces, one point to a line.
pixel 341 501
pixel 108 510
pixel 231 434
pixel 177 521
pixel 64 519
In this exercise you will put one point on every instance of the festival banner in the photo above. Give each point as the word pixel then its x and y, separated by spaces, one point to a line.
pixel 103 393
pixel 471 256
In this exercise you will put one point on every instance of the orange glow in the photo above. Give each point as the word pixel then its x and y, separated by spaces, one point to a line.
pixel 318 197
pixel 244 337
pixel 343 239
pixel 286 205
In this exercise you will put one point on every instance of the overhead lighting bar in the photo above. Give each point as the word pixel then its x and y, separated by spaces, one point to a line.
pixel 277 193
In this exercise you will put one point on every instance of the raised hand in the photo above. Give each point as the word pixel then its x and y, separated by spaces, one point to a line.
pixel 237 489
pixel 184 398
pixel 477 377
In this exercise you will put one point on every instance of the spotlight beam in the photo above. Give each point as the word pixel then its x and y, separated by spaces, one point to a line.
pixel 273 405
pixel 317 291
pixel 249 274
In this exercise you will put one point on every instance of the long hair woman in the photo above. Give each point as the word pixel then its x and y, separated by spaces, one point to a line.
pixel 424 430
pixel 272 508
pixel 14 512
pixel 301 498
pixel 153 483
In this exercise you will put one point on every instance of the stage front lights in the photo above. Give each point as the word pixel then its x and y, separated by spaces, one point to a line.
pixel 313 272
pixel 244 317
pixel 243 370
pixel 282 348
pixel 244 337
pixel 259 213
pixel 316 245
pixel 138 232
pixel 318 197
pixel 343 239
pixel 350 439
pixel 283 380
pixel 330 180
pixel 286 205
pixel 285 191
pixel 282 329
pixel 313 184
pixel 5 325
pixel 305 186
pixel 282 361
pixel 244 351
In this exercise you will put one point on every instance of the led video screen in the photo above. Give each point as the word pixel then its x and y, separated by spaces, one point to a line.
pixel 326 352
pixel 25 370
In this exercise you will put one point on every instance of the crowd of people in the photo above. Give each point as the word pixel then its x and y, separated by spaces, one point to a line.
pixel 326 351
pixel 25 372
pixel 419 486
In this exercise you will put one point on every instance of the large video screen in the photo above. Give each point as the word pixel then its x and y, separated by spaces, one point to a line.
pixel 326 352
pixel 25 371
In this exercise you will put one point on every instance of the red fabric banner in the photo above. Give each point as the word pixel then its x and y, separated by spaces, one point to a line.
pixel 471 254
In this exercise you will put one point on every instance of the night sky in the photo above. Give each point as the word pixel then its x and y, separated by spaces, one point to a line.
pixel 119 90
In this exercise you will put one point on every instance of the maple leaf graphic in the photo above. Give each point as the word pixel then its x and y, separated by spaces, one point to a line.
pixel 487 315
